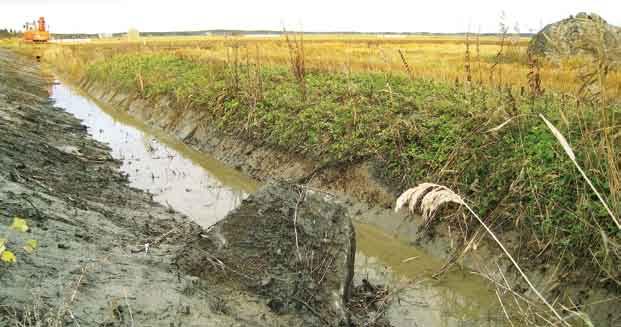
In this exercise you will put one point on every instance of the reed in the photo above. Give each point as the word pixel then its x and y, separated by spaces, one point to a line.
pixel 430 197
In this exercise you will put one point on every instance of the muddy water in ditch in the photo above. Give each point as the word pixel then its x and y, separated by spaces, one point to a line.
pixel 205 190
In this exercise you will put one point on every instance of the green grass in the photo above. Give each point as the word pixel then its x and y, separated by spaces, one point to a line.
pixel 416 130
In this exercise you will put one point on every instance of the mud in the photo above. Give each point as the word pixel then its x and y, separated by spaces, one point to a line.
pixel 293 246
pixel 92 266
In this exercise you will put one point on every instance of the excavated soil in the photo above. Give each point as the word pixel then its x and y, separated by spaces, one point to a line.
pixel 293 246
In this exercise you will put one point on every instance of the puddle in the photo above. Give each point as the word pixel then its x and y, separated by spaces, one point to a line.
pixel 206 190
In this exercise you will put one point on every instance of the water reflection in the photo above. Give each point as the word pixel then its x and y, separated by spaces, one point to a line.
pixel 175 174
pixel 457 299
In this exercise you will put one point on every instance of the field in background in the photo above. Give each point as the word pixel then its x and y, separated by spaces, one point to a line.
pixel 491 61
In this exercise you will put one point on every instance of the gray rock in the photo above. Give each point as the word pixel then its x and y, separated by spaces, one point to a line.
pixel 575 35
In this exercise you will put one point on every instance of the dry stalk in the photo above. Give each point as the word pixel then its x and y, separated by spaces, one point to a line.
pixel 504 310
pixel 301 195
pixel 77 285
pixel 534 76
pixel 570 153
pixel 140 82
pixel 259 80
pixel 326 269
pixel 405 64
pixel 297 60
pixel 433 196
pixel 129 309
pixel 478 50
pixel 499 55
pixel 467 66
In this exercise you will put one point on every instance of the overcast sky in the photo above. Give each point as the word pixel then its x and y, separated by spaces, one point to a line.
pixel 92 16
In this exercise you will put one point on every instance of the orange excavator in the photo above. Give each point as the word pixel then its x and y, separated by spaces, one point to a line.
pixel 36 32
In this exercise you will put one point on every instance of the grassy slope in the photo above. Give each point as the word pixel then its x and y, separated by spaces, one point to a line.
pixel 418 130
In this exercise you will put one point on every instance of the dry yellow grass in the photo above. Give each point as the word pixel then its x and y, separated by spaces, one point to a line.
pixel 441 58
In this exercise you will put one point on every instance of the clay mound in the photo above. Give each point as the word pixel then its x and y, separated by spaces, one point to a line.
pixel 575 35
pixel 255 246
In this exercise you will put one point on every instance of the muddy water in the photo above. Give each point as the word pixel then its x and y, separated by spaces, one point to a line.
pixel 458 298
pixel 177 175
pixel 204 189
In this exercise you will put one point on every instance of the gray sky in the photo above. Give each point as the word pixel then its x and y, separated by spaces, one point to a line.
pixel 68 16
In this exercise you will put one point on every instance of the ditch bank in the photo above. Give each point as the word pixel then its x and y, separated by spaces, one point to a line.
pixel 358 180
pixel 255 158
pixel 87 249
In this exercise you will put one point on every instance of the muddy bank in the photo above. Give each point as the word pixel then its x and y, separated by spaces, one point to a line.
pixel 255 158
pixel 105 253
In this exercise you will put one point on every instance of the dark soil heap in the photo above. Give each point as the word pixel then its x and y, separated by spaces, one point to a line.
pixel 288 244
pixel 575 35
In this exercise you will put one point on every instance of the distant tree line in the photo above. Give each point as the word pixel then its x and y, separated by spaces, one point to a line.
pixel 74 36
pixel 223 32
pixel 6 33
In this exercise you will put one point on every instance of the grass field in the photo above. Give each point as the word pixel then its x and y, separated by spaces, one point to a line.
pixel 493 61
pixel 442 109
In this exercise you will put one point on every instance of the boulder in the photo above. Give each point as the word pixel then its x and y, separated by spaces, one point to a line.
pixel 575 35
pixel 292 246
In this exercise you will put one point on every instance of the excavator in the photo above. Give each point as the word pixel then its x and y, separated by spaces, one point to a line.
pixel 36 32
